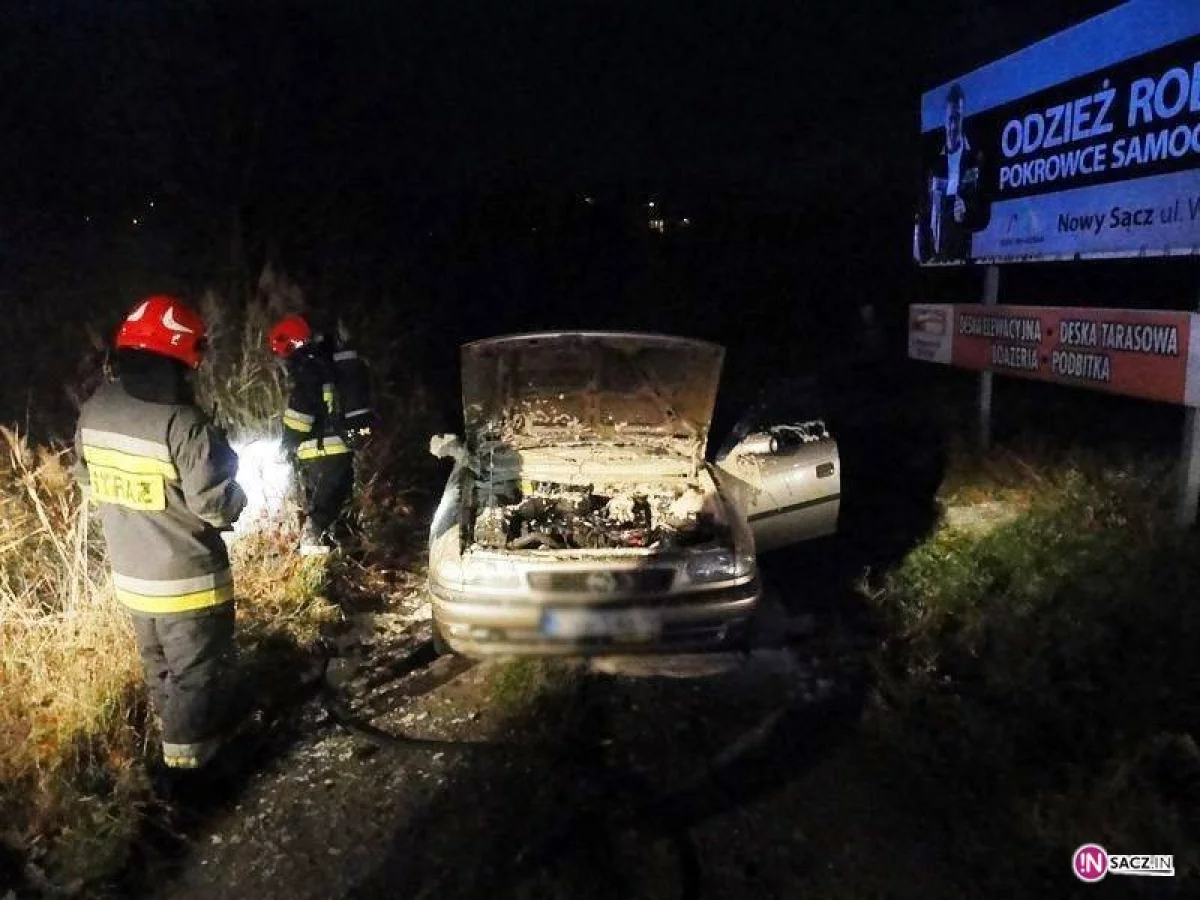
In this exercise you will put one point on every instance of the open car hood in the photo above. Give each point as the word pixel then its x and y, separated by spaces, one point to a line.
pixel 588 388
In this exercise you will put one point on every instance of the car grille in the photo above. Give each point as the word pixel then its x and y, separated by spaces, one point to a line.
pixel 603 581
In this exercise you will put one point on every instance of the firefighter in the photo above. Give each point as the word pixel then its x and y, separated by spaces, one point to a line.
pixel 164 479
pixel 328 416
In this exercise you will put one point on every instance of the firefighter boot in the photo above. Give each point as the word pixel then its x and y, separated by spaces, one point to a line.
pixel 312 541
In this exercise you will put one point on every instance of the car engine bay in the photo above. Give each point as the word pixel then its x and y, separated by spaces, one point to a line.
pixel 554 516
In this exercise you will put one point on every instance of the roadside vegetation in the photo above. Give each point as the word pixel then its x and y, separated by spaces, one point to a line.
pixel 1039 670
pixel 74 789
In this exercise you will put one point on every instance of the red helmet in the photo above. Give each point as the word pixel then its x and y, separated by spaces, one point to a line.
pixel 289 334
pixel 167 326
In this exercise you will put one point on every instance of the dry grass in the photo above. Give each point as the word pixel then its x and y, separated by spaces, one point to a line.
pixel 77 731
pixel 240 381
pixel 70 703
pixel 279 591
pixel 1045 668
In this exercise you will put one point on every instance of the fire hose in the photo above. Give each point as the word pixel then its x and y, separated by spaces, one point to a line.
pixel 661 813
pixel 648 804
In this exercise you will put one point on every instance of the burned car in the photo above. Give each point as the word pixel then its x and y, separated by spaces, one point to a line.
pixel 582 517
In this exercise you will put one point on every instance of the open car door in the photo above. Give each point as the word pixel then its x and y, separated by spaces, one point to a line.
pixel 787 480
pixel 780 463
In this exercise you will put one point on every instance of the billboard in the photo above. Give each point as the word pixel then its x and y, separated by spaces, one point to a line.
pixel 1086 144
pixel 1140 353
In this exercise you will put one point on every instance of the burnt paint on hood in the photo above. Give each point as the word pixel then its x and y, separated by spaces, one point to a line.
pixel 591 387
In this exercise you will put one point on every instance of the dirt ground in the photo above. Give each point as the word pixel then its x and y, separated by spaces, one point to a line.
pixel 704 776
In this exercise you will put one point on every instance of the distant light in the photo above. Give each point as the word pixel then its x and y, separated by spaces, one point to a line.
pixel 135 221
pixel 588 200
pixel 87 218
pixel 651 204
pixel 152 204
pixel 687 221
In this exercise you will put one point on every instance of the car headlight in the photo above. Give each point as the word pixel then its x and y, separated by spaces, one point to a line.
pixel 482 573
pixel 719 565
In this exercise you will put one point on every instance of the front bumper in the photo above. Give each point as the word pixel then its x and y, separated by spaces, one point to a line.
pixel 477 625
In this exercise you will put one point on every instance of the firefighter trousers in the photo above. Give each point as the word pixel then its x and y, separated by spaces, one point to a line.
pixel 188 661
pixel 327 483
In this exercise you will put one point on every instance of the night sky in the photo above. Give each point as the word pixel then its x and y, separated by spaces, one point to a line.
pixel 486 166
pixel 392 98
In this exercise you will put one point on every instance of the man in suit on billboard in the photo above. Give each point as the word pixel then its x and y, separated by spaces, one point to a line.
pixel 953 200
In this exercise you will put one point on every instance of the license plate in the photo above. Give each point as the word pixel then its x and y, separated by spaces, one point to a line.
pixel 629 624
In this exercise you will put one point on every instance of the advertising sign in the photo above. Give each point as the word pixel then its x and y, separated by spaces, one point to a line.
pixel 1139 353
pixel 1086 144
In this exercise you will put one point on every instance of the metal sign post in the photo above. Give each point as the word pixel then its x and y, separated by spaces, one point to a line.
pixel 1189 464
pixel 1189 470
pixel 991 293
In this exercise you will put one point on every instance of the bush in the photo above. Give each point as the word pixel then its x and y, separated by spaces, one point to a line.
pixel 240 382
pixel 1047 665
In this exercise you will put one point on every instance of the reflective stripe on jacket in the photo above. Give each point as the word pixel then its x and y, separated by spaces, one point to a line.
pixel 316 448
pixel 190 756
pixel 302 423
pixel 160 596
pixel 164 478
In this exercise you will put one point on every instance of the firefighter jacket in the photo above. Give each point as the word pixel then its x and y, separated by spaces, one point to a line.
pixel 312 421
pixel 164 479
